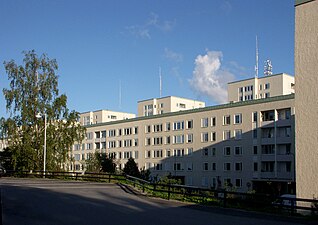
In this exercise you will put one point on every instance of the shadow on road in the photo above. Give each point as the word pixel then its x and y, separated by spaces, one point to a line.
pixel 88 203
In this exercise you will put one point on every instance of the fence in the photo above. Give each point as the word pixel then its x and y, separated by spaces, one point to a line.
pixel 224 198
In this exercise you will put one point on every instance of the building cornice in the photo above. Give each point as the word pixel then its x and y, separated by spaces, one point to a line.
pixel 204 109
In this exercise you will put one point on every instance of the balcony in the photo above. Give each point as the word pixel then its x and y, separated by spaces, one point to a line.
pixel 267 124
pixel 283 140
pixel 283 123
pixel 268 157
pixel 280 175
pixel 267 141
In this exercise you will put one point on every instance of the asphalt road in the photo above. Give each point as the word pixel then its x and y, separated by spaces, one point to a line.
pixel 56 202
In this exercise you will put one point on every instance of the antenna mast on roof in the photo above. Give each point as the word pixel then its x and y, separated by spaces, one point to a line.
pixel 119 94
pixel 268 68
pixel 160 82
pixel 256 66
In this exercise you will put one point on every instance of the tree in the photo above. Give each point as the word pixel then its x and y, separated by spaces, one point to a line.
pixel 100 162
pixel 34 90
pixel 131 168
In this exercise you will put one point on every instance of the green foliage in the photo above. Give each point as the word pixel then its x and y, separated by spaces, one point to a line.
pixel 33 90
pixel 131 168
pixel 169 180
pixel 100 162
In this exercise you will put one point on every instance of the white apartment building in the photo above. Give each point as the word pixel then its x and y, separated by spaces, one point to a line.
pixel 103 116
pixel 246 144
pixel 157 106
pixel 261 87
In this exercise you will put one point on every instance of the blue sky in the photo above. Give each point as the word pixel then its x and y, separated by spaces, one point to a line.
pixel 200 45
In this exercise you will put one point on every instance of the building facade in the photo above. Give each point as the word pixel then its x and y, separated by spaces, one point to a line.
pixel 243 145
pixel 157 106
pixel 306 99
pixel 103 116
pixel 261 87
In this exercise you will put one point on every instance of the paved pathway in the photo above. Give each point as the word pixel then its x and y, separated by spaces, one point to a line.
pixel 56 202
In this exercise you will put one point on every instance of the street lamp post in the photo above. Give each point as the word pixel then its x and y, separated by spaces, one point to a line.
pixel 39 115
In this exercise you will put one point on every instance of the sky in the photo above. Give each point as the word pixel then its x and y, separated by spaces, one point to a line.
pixel 110 52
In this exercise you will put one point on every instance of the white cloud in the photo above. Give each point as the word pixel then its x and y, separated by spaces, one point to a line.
pixel 209 78
pixel 152 23
pixel 173 56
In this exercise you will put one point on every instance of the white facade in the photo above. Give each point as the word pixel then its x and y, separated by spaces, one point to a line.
pixel 261 87
pixel 243 144
pixel 103 116
pixel 168 104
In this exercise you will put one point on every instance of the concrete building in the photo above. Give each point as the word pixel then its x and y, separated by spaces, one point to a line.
pixel 103 116
pixel 306 99
pixel 157 106
pixel 261 87
pixel 246 144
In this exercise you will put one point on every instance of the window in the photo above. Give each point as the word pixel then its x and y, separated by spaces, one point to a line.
pixel 205 137
pixel 119 132
pixel 168 153
pixel 227 166
pixel 189 166
pixel 238 134
pixel 238 183
pixel 178 125
pixel 103 133
pixel 97 134
pixel 148 154
pixel 255 150
pixel 213 151
pixel 157 128
pixel 267 95
pixel 226 135
pixel 189 124
pixel 157 140
pixel 227 120
pixel 178 139
pixel 238 150
pixel 205 152
pixel 127 155
pixel 213 121
pixel 112 133
pixel 205 166
pixel 204 122
pixel 214 166
pixel 189 138
pixel 127 131
pixel 97 145
pixel 238 166
pixel 267 86
pixel 178 152
pixel 136 142
pixel 177 166
pixel 255 167
pixel 127 143
pixel 158 154
pixel 89 135
pixel 241 89
pixel 268 149
pixel 237 118
pixel 213 136
pixel 112 144
pixel 260 87
pixel 227 151
pixel 136 130
pixel 158 166
pixel 148 129
pixel 148 141
pixel 190 151
pixel 183 106
pixel 167 126
pixel 168 140
pixel 77 157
